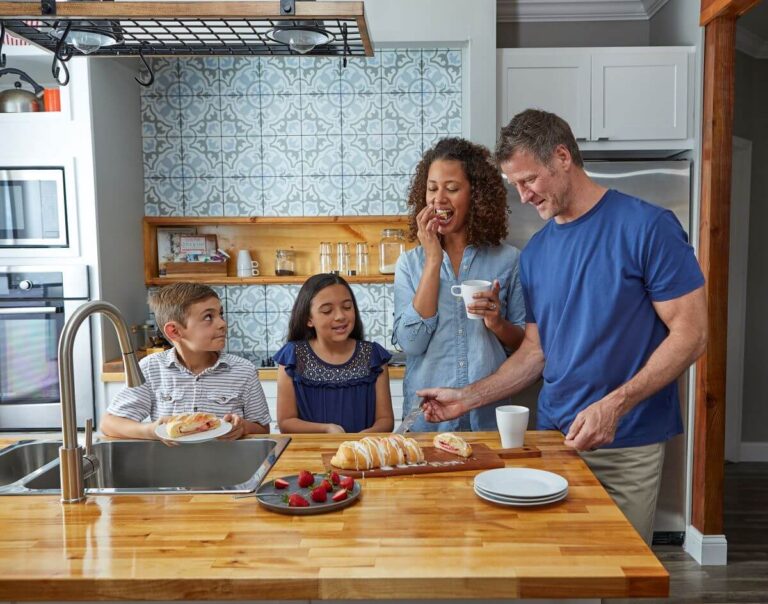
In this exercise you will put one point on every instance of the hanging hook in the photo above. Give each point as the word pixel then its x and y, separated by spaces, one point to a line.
pixel 2 40
pixel 148 82
pixel 61 55
pixel 346 48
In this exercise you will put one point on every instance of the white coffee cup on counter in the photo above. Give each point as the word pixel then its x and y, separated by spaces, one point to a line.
pixel 467 290
pixel 246 267
pixel 512 421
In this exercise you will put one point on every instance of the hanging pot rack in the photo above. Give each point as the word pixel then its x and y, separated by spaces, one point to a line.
pixel 199 28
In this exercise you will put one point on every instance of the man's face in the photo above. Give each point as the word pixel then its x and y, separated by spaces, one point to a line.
pixel 545 187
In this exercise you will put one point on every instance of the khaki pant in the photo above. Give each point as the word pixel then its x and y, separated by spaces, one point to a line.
pixel 632 476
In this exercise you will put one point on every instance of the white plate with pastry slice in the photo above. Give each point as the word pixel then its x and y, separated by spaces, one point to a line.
pixel 193 428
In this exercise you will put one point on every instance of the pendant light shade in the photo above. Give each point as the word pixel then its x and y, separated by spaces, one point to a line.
pixel 302 37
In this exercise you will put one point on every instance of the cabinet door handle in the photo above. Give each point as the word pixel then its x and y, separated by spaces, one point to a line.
pixel 21 310
pixel 603 138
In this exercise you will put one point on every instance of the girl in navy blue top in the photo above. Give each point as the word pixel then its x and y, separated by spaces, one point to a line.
pixel 329 378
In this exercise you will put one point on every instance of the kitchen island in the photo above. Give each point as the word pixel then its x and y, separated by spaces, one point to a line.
pixel 408 537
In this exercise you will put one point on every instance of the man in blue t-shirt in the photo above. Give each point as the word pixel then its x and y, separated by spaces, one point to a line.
pixel 615 313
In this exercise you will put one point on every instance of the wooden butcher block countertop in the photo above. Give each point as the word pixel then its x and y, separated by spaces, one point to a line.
pixel 423 536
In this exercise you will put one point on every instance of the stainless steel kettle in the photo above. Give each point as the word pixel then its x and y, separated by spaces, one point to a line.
pixel 16 100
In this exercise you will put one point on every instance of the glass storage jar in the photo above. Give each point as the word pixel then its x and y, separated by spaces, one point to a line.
pixel 342 258
pixel 392 244
pixel 326 262
pixel 361 258
pixel 285 263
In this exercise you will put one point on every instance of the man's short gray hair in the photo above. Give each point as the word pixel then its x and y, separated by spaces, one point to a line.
pixel 539 133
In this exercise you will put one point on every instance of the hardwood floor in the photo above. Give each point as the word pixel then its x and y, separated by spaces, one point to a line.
pixel 745 579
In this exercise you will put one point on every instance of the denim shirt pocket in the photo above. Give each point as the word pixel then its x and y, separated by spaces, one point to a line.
pixel 169 401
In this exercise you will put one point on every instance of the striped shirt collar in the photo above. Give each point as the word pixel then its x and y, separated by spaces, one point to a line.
pixel 171 359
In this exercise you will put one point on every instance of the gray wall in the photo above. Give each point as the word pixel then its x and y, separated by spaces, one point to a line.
pixel 751 122
pixel 676 23
pixel 572 33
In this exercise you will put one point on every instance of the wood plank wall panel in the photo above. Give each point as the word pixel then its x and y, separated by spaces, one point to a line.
pixel 709 423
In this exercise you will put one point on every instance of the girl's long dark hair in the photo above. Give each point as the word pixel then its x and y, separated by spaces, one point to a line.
pixel 298 328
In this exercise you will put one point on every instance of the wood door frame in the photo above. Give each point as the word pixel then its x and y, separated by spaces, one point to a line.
pixel 719 19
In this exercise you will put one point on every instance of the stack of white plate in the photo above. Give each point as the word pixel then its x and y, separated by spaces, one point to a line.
pixel 520 486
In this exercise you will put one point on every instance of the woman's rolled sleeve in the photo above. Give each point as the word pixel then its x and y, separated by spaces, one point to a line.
pixel 411 332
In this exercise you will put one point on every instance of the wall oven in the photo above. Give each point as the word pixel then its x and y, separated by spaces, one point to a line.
pixel 35 303
pixel 33 208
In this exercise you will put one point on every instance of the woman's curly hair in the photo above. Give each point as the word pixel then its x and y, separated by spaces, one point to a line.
pixel 487 220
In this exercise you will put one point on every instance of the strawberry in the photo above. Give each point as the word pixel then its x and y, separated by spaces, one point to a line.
pixel 280 483
pixel 306 479
pixel 297 501
pixel 319 494
pixel 340 495
pixel 347 483
pixel 334 477
pixel 326 485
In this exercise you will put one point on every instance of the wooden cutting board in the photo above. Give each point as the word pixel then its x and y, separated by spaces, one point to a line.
pixel 483 458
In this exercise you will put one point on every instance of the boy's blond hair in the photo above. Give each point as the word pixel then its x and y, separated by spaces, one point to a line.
pixel 172 302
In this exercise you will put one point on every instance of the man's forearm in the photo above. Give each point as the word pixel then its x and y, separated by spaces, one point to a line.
pixel 518 372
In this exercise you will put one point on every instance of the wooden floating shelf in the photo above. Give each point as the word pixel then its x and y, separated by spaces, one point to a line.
pixel 262 235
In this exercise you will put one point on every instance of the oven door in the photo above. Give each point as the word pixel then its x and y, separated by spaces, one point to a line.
pixel 29 378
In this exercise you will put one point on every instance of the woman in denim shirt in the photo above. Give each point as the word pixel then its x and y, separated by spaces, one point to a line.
pixel 458 213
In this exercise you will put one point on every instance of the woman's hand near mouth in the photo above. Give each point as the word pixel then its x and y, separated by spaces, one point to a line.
pixel 428 235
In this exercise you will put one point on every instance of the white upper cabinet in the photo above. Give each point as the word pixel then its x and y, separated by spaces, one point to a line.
pixel 613 98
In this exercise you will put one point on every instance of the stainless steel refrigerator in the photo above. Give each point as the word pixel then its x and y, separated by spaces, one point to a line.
pixel 666 183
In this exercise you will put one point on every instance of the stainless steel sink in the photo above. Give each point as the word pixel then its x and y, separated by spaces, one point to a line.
pixel 133 467
pixel 22 459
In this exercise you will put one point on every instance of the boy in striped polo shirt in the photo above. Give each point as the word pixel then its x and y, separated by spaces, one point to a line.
pixel 194 375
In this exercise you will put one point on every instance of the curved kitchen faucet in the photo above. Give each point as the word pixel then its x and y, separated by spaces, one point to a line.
pixel 70 453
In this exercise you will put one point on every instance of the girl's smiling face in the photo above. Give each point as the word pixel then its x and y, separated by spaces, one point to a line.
pixel 332 313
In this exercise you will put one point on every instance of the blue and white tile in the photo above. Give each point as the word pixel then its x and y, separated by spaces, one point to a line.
pixel 200 115
pixel 362 195
pixel 395 190
pixel 280 115
pixel 163 196
pixel 242 197
pixel 389 329
pixel 280 75
pixel 160 116
pixel 362 155
pixel 430 139
pixel 362 74
pixel 401 70
pixel 321 196
pixel 281 156
pixel 361 113
pixel 246 298
pixel 320 75
pixel 369 296
pixel 277 330
pixel 221 292
pixel 375 323
pixel 320 155
pixel 401 114
pixel 442 70
pixel 240 76
pixel 240 116
pixel 282 196
pixel 201 156
pixel 166 71
pixel 388 294
pixel 443 113
pixel 320 114
pixel 247 333
pixel 162 157
pixel 199 76
pixel 401 153
pixel 280 298
pixel 203 197
pixel 241 156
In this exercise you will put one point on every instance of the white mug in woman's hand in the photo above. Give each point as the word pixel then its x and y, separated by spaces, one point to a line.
pixel 467 290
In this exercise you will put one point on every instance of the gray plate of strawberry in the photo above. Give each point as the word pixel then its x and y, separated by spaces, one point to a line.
pixel 306 493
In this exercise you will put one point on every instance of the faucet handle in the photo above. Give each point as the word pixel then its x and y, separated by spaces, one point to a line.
pixel 89 436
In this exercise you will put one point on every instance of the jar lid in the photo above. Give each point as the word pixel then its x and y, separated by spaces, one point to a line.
pixel 393 233
pixel 284 252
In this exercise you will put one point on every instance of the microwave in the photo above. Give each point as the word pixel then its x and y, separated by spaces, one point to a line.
pixel 33 208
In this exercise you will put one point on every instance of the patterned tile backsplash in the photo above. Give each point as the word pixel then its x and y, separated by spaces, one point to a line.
pixel 294 136
pixel 249 136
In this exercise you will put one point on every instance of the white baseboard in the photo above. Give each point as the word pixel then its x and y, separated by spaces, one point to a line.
pixel 707 550
pixel 754 451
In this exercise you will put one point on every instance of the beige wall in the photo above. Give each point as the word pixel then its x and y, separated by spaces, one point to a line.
pixel 751 122
pixel 572 33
